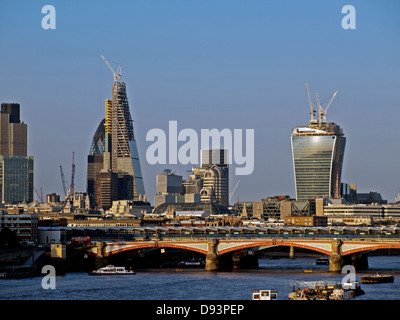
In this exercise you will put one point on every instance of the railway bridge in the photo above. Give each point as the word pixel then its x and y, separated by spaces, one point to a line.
pixel 341 251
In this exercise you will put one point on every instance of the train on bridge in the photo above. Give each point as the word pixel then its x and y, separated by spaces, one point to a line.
pixel 123 233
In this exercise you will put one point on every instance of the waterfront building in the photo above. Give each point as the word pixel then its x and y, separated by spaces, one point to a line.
pixel 276 207
pixel 318 151
pixel 24 225
pixel 362 213
pixel 311 221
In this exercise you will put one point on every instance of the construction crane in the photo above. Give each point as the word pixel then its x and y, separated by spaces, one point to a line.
pixel 397 198
pixel 40 196
pixel 322 113
pixel 63 181
pixel 116 75
pixel 233 192
pixel 72 187
pixel 312 113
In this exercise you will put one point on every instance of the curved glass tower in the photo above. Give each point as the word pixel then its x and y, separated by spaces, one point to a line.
pixel 317 151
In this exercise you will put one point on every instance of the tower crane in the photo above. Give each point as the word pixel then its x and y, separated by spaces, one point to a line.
pixel 63 181
pixel 312 113
pixel 322 113
pixel 116 75
pixel 234 189
pixel 72 187
pixel 329 104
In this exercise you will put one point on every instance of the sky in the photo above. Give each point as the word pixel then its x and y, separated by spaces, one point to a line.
pixel 236 64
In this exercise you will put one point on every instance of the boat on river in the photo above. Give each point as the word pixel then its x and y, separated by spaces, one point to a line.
pixel 111 270
pixel 328 292
pixel 264 295
pixel 378 278
pixel 322 261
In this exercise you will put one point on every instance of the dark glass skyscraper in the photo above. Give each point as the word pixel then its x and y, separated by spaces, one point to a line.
pixel 318 151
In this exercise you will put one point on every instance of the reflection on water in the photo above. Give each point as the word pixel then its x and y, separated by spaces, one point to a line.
pixel 200 285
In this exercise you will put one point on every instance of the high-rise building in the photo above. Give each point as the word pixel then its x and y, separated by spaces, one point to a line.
pixel 16 179
pixel 95 161
pixel 13 133
pixel 318 151
pixel 216 176
pixel 106 187
pixel 16 168
pixel 124 152
pixel 169 189
pixel 114 150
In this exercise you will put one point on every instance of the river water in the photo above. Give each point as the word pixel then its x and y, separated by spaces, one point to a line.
pixel 276 274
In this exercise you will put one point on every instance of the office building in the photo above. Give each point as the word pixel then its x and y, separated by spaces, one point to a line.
pixel 318 151
pixel 13 133
pixel 124 151
pixel 106 186
pixel 216 176
pixel 16 168
pixel 114 150
pixel 16 179
pixel 95 161
pixel 24 225
pixel 169 188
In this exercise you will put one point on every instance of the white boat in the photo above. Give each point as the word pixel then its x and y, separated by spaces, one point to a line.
pixel 264 295
pixel 111 270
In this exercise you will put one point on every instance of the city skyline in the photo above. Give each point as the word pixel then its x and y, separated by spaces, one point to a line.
pixel 207 65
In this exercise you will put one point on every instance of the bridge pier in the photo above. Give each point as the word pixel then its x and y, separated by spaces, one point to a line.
pixel 100 259
pixel 291 253
pixel 213 260
pixel 336 258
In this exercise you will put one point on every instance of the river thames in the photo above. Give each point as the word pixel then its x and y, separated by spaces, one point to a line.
pixel 276 274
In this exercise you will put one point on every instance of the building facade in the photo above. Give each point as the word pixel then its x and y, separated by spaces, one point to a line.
pixel 16 168
pixel 216 176
pixel 124 151
pixel 318 151
pixel 24 225
pixel 16 179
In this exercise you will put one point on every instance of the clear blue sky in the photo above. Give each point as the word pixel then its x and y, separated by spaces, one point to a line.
pixel 207 64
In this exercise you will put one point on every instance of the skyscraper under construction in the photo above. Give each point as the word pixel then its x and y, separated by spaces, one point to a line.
pixel 124 152
pixel 318 151
pixel 116 145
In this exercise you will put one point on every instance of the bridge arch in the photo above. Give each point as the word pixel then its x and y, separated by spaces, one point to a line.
pixel 276 244
pixel 371 247
pixel 136 246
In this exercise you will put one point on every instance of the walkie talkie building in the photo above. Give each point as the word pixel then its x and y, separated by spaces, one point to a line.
pixel 318 151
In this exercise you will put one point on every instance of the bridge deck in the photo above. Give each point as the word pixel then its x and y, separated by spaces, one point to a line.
pixel 348 246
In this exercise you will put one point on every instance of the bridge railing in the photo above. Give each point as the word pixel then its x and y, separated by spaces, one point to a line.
pixel 198 236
